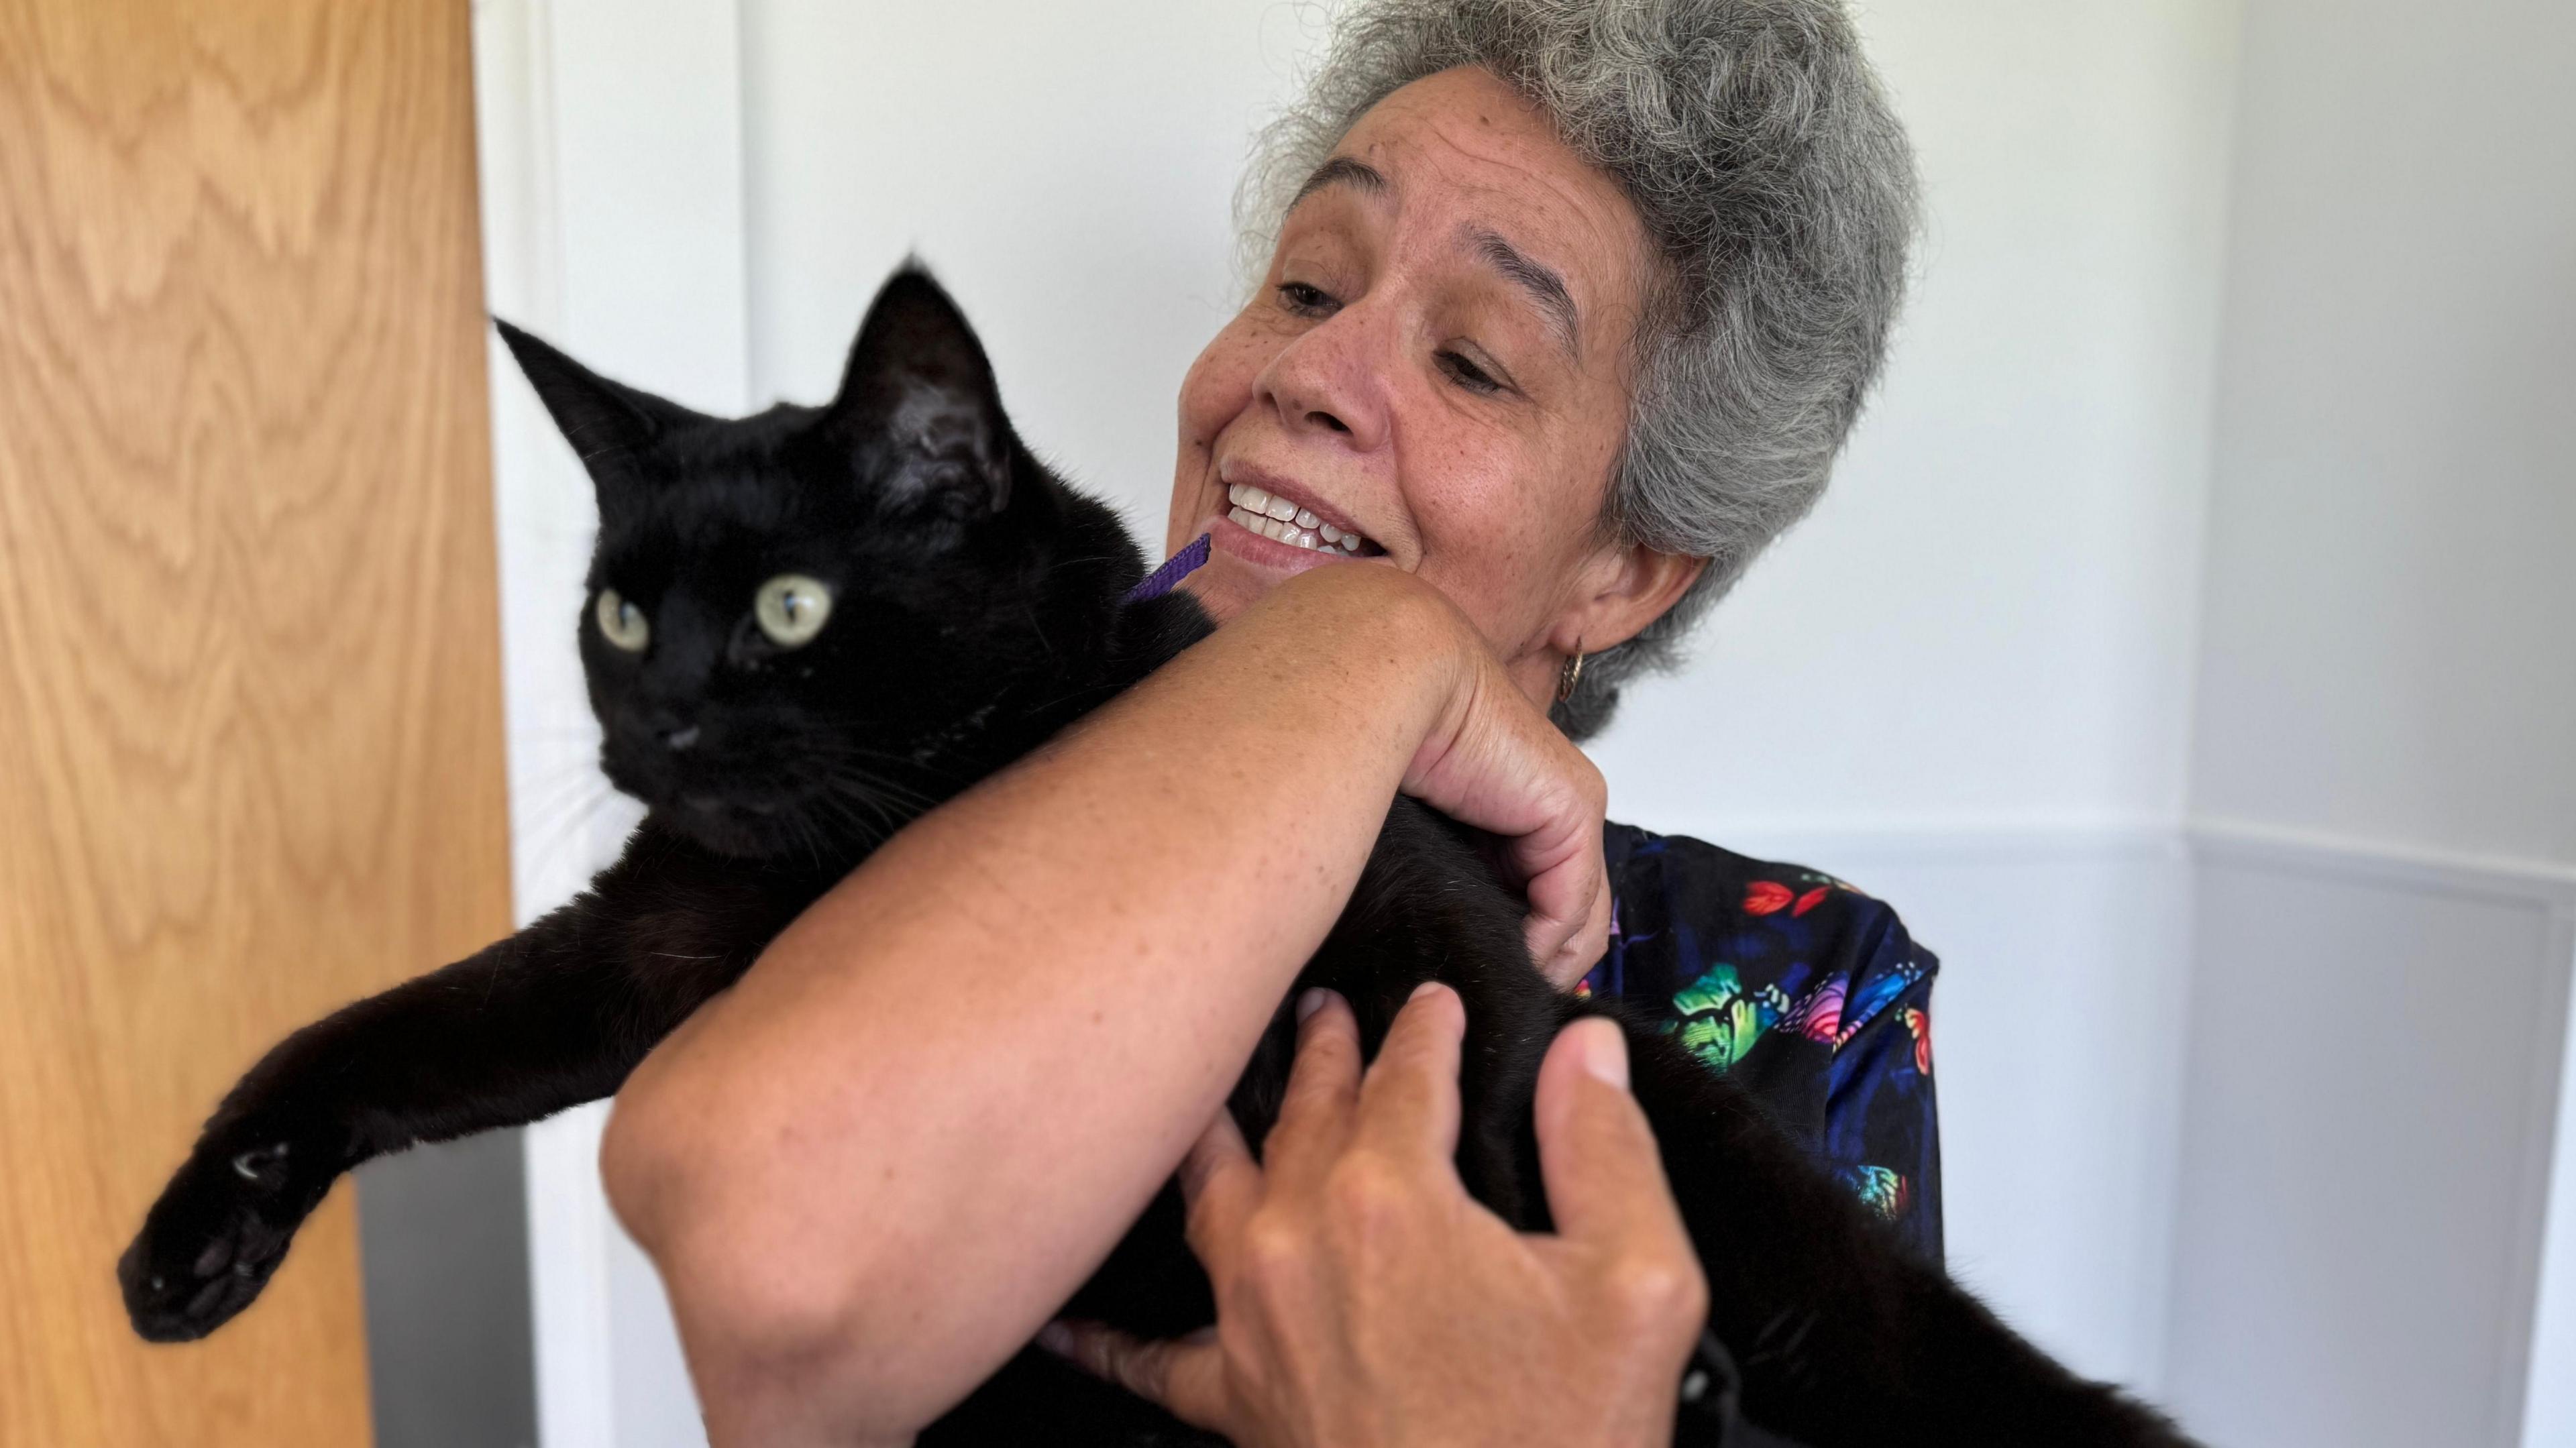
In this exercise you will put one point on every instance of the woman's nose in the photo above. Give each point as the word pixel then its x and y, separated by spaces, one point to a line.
pixel 1327 380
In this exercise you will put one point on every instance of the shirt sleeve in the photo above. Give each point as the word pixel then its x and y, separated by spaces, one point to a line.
pixel 1806 991
pixel 1882 1125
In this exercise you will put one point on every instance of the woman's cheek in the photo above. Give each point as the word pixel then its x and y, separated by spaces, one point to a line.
pixel 1500 539
pixel 1219 385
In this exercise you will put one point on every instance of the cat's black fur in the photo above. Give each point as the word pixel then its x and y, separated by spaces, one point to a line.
pixel 976 610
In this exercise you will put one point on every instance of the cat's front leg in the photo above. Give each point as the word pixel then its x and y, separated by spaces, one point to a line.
pixel 549 1018
pixel 328 1097
pixel 221 1226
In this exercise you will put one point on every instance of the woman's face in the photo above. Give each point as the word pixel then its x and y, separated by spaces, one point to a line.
pixel 1437 371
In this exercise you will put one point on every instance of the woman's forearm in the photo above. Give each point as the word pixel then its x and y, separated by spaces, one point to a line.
pixel 870 1170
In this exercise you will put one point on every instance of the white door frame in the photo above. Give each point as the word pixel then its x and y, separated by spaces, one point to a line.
pixel 610 131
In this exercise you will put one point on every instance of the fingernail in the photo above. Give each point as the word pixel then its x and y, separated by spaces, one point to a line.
pixel 1311 1002
pixel 1605 1051
pixel 1424 989
pixel 1056 1338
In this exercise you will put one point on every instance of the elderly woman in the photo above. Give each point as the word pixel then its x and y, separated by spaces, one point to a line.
pixel 1566 310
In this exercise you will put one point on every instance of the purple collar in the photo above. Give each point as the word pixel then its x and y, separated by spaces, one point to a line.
pixel 1179 566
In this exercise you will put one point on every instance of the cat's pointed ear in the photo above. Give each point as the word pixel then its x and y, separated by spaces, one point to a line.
pixel 919 413
pixel 606 422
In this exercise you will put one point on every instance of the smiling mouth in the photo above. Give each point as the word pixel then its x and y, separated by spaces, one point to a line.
pixel 1282 521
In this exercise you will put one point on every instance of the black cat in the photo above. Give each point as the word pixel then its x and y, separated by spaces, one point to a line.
pixel 808 626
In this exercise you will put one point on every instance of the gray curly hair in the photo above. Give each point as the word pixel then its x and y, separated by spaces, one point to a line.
pixel 1754 140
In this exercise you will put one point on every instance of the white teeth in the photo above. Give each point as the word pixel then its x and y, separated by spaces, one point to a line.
pixel 1289 533
pixel 1279 519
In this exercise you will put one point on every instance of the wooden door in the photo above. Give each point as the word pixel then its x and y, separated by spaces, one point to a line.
pixel 250 722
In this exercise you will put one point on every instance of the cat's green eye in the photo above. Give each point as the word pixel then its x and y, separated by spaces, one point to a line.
pixel 791 609
pixel 622 623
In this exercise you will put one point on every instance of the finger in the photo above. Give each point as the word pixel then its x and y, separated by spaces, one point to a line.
pixel 1597 1155
pixel 1567 880
pixel 1221 1184
pixel 1323 1087
pixel 1185 1375
pixel 1565 952
pixel 1409 1104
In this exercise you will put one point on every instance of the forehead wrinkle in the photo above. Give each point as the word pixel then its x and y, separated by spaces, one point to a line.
pixel 1541 282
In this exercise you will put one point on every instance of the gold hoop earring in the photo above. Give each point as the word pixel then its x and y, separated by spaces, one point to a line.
pixel 1570 675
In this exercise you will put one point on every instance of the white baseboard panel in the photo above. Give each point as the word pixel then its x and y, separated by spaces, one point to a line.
pixel 2549 1401
pixel 2376 1037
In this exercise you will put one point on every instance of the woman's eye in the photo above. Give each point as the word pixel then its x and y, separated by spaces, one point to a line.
pixel 1305 300
pixel 1467 374
pixel 622 623
pixel 791 609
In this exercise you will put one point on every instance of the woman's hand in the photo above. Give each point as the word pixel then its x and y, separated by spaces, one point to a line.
pixel 1491 759
pixel 1364 1300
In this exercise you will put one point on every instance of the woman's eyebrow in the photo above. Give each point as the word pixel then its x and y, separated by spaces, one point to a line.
pixel 1542 283
pixel 1348 171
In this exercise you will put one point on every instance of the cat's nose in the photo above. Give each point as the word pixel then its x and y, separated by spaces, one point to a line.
pixel 674 730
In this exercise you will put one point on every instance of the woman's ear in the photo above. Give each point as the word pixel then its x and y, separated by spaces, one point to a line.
pixel 1621 592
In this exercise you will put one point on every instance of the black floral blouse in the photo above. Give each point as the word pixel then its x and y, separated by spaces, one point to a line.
pixel 1804 989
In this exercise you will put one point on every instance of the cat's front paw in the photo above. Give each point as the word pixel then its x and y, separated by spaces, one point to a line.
pixel 211 1242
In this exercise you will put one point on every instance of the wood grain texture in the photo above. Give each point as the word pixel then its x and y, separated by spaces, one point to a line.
pixel 250 722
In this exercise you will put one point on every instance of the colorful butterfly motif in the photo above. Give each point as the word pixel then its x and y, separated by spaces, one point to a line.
pixel 1919 1026
pixel 1818 1015
pixel 1874 994
pixel 1770 897
pixel 1720 1020
pixel 1767 897
pixel 1879 1188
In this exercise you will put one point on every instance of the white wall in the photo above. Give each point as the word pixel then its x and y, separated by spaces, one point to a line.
pixel 2388 653
pixel 2385 761
pixel 1989 619
pixel 1066 169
